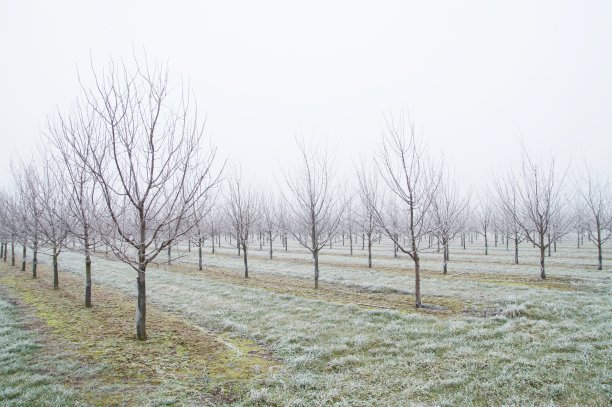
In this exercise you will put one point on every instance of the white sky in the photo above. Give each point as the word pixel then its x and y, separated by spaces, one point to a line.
pixel 475 75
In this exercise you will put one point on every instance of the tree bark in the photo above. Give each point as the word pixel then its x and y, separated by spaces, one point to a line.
pixel 141 310
pixel 12 253
pixel 200 252
pixel 417 280
pixel 23 259
pixel 370 251
pixel 599 255
pixel 34 259
pixel 55 269
pixel 315 255
pixel 445 257
pixel 246 265
pixel 87 281
pixel 542 257
pixel 516 244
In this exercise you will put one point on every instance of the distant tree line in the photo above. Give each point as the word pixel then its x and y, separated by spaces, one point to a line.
pixel 126 170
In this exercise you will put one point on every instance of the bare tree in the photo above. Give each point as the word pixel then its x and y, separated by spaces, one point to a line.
pixel 28 186
pixel 507 202
pixel 313 204
pixel 596 197
pixel 7 225
pixel 485 219
pixel 448 209
pixel 413 179
pixel 148 163
pixel 242 206
pixel 269 219
pixel 204 226
pixel 53 221
pixel 539 202
pixel 72 135
pixel 348 222
pixel 370 198
pixel 10 216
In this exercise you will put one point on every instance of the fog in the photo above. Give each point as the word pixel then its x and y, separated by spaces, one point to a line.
pixel 476 77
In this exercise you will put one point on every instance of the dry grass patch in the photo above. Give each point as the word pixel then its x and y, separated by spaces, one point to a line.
pixel 178 363
pixel 329 292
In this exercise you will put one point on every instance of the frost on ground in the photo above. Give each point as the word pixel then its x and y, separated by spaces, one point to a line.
pixel 535 344
pixel 23 379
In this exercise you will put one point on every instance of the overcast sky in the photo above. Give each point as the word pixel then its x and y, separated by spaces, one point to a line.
pixel 476 76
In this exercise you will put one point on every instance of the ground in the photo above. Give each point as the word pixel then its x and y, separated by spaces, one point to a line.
pixel 491 332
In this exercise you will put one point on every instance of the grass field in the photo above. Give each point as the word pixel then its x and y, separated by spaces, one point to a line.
pixel 492 333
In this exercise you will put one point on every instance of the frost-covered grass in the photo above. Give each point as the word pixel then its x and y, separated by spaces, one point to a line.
pixel 543 346
pixel 567 261
pixel 491 280
pixel 23 379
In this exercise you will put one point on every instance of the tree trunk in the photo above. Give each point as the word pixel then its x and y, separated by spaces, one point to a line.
pixel 516 243
pixel 87 280
pixel 417 280
pixel 315 255
pixel 395 246
pixel 23 259
pixel 351 242
pixel 270 239
pixel 246 265
pixel 599 256
pixel 55 268
pixel 12 253
pixel 542 257
pixel 141 310
pixel 1 250
pixel 370 250
pixel 200 252
pixel 34 259
pixel 445 257
pixel 486 244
